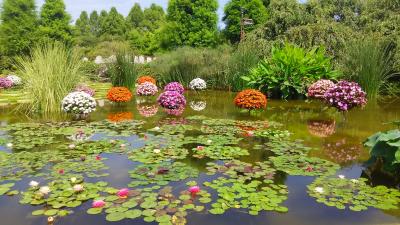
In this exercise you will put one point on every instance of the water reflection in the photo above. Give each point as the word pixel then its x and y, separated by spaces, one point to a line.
pixel 198 105
pixel 120 117
pixel 321 128
pixel 147 110
pixel 175 112
pixel 342 151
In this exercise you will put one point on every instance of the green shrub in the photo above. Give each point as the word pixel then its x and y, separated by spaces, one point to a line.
pixel 290 70
pixel 123 72
pixel 49 74
pixel 369 62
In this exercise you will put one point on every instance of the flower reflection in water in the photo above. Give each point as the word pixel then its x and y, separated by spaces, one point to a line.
pixel 120 117
pixel 175 112
pixel 198 105
pixel 321 128
pixel 147 110
pixel 342 151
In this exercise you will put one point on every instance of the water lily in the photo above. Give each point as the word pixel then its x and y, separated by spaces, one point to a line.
pixel 354 181
pixel 112 141
pixel 194 190
pixel 122 145
pixel 61 171
pixel 50 220
pixel 33 184
pixel 157 151
pixel 209 141
pixel 73 179
pixel 78 188
pixel 9 145
pixel 98 157
pixel 309 169
pixel 157 128
pixel 319 190
pixel 123 193
pixel 44 190
pixel 98 204
pixel 342 176
pixel 71 146
pixel 200 148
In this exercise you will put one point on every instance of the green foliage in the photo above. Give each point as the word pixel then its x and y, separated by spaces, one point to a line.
pixel 17 33
pixel 94 23
pixel 385 146
pixel 290 70
pixel 369 62
pixel 123 71
pixel 50 73
pixel 113 24
pixel 135 16
pixel 252 9
pixel 193 23
pixel 82 24
pixel 54 23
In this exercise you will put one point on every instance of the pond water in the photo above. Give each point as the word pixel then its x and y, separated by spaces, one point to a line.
pixel 160 150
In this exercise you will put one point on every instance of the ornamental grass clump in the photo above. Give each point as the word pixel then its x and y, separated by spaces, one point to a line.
pixel 144 79
pixel 198 84
pixel 147 89
pixel 119 94
pixel 78 103
pixel 346 95
pixel 250 99
pixel 175 86
pixel 5 83
pixel 319 88
pixel 171 100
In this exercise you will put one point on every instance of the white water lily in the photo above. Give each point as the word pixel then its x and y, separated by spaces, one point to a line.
pixel 354 181
pixel 123 145
pixel 44 190
pixel 78 188
pixel 209 141
pixel 157 128
pixel 319 190
pixel 33 184
pixel 73 179
pixel 342 176
pixel 9 145
pixel 156 151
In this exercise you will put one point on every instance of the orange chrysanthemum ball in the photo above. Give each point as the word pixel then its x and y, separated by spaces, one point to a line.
pixel 144 79
pixel 251 99
pixel 119 94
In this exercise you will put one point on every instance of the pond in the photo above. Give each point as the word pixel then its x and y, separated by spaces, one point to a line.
pixel 295 163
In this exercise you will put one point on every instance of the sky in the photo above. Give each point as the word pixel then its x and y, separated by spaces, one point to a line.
pixel 75 7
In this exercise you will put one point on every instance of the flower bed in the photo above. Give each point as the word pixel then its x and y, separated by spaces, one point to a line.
pixel 198 84
pixel 145 79
pixel 5 83
pixel 319 88
pixel 147 89
pixel 16 80
pixel 175 86
pixel 86 89
pixel 346 95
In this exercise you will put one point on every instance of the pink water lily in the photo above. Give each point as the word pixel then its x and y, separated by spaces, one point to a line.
pixel 200 148
pixel 98 204
pixel 123 193
pixel 98 157
pixel 194 190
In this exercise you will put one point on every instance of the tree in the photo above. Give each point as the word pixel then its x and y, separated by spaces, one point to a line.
pixel 251 9
pixel 94 23
pixel 82 24
pixel 17 28
pixel 102 20
pixel 54 22
pixel 135 16
pixel 194 23
pixel 114 24
pixel 153 18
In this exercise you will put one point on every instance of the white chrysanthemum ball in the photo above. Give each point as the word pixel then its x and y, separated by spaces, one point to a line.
pixel 78 103
pixel 16 80
pixel 198 84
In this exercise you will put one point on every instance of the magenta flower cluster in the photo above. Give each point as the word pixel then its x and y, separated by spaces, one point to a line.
pixel 86 89
pixel 5 83
pixel 147 89
pixel 346 95
pixel 174 86
pixel 171 100
pixel 319 88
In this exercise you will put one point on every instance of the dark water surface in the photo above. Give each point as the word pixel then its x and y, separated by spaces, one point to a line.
pixel 335 136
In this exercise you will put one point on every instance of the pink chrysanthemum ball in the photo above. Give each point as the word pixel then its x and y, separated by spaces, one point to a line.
pixel 174 86
pixel 147 89
pixel 319 88
pixel 346 95
pixel 171 100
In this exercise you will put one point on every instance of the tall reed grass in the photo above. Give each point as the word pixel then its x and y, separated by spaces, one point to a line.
pixel 123 71
pixel 49 74
pixel 370 63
